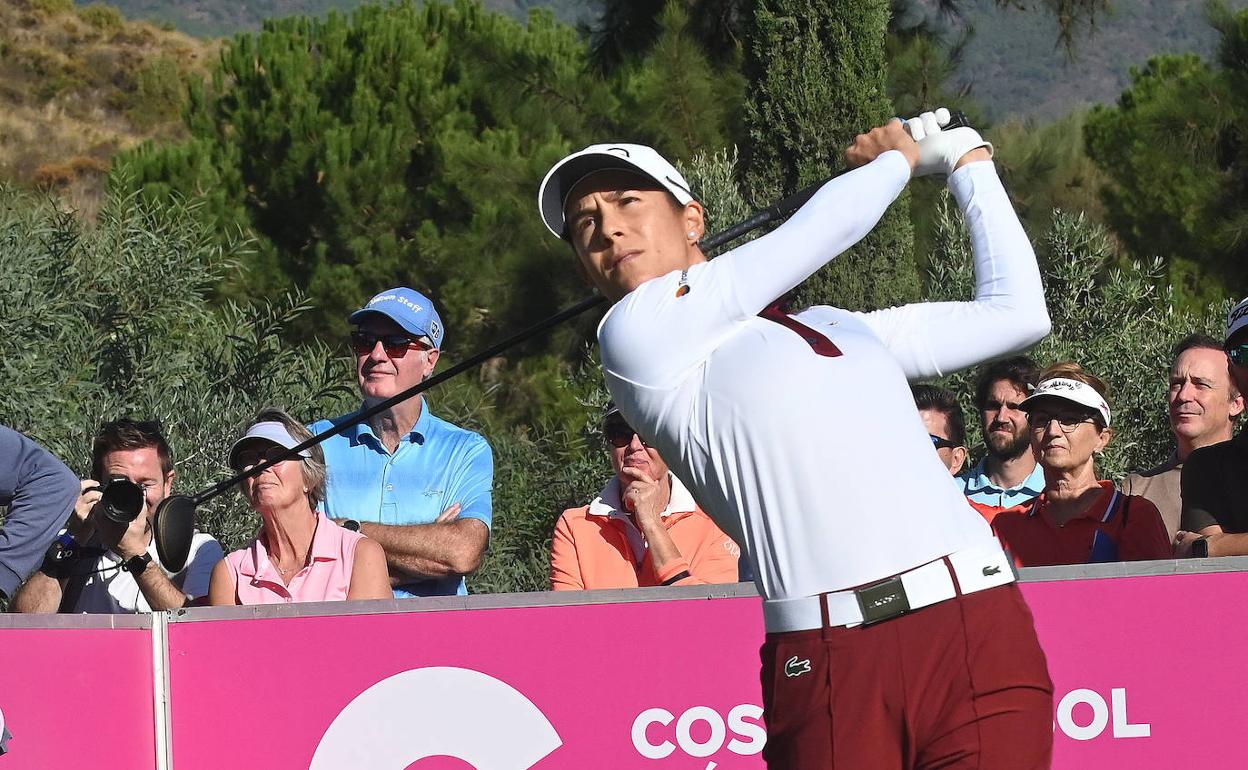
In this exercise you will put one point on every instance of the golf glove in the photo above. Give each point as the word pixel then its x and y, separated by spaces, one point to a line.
pixel 940 150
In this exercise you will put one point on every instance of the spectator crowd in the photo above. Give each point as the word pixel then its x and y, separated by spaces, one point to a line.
pixel 399 505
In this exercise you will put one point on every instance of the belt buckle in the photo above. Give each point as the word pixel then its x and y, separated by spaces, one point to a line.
pixel 882 601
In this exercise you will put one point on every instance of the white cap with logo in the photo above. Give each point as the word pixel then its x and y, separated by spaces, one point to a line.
pixel 564 175
pixel 1237 319
pixel 1073 391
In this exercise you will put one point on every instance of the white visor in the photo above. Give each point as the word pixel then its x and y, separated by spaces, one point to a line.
pixel 1236 319
pixel 265 431
pixel 552 197
pixel 1074 391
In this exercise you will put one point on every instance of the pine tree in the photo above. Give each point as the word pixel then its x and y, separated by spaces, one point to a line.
pixel 817 78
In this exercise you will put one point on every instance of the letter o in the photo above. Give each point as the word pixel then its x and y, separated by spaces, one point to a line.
pixel 701 714
pixel 1066 710
pixel 642 743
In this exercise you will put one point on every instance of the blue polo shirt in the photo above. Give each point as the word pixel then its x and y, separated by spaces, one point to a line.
pixel 979 488
pixel 436 465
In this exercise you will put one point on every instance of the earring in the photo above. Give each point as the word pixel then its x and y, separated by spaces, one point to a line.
pixel 693 234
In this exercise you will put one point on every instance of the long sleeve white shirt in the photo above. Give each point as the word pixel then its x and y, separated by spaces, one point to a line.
pixel 791 451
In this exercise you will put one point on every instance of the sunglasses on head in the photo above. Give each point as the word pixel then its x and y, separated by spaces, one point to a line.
pixel 396 345
pixel 1238 354
pixel 620 434
pixel 942 443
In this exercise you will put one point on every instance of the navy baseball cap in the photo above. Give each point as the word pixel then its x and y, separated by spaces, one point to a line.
pixel 409 309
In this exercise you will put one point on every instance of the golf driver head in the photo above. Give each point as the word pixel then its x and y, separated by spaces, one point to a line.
pixel 172 530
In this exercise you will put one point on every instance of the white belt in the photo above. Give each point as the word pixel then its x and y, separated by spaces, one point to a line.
pixel 976 570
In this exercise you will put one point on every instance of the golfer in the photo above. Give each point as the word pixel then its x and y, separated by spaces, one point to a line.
pixel 896 636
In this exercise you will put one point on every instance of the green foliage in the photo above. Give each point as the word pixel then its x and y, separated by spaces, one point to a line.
pixel 158 94
pixel 1175 150
pixel 817 78
pixel 102 17
pixel 400 146
pixel 112 322
pixel 1119 323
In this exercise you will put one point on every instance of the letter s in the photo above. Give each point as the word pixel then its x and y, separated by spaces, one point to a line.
pixel 753 730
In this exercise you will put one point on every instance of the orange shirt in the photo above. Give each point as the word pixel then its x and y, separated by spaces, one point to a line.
pixel 599 546
pixel 1132 531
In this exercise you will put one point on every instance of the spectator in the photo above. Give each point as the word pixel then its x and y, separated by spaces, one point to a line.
pixel 1215 478
pixel 112 567
pixel 299 555
pixel 417 484
pixel 643 529
pixel 1202 406
pixel 1007 475
pixel 38 492
pixel 1077 519
pixel 942 416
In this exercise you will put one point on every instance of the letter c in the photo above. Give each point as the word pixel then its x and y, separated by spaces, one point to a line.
pixel 642 743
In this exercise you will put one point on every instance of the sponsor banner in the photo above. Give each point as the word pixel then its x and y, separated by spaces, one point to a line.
pixel 668 684
pixel 76 697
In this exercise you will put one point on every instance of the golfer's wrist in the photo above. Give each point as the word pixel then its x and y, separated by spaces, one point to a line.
pixel 974 156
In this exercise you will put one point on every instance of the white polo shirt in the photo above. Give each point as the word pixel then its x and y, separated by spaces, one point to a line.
pixel 788 449
pixel 113 590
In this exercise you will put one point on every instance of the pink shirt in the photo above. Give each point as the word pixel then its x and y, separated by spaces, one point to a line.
pixel 327 577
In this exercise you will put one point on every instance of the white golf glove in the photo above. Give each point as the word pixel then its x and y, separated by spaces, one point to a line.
pixel 940 149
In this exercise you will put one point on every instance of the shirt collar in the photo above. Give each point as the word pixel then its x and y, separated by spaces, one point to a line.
pixel 977 480
pixel 255 559
pixel 608 502
pixel 416 436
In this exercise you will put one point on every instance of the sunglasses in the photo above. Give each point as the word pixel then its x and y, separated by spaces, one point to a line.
pixel 620 434
pixel 942 443
pixel 396 345
pixel 1239 354
pixel 1067 422
pixel 250 457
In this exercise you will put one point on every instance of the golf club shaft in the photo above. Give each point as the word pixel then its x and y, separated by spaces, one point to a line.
pixel 780 210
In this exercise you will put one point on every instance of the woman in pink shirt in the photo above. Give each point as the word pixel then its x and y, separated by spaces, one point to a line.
pixel 299 555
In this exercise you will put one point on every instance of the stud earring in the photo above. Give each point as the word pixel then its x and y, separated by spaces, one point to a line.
pixel 693 234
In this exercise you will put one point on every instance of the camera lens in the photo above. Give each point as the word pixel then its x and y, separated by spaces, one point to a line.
pixel 121 500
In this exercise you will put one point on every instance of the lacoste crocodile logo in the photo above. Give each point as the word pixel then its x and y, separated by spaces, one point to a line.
pixel 794 667
pixel 990 571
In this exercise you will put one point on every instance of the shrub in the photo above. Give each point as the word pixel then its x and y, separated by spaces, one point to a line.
pixel 105 18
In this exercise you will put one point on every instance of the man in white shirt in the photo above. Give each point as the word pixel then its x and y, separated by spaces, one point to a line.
pixel 113 567
pixel 766 418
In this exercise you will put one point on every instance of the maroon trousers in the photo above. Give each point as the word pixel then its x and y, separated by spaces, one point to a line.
pixel 959 684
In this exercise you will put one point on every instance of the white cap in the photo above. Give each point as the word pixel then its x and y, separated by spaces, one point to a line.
pixel 1236 319
pixel 1074 391
pixel 266 431
pixel 564 175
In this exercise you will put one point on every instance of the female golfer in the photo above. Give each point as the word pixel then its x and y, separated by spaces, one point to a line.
pixel 299 554
pixel 896 637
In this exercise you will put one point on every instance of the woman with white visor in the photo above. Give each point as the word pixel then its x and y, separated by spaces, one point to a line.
pixel 1078 519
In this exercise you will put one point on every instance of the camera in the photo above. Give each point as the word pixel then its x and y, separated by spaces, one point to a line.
pixel 121 499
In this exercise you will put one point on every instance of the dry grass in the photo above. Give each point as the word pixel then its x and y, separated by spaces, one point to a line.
pixel 79 84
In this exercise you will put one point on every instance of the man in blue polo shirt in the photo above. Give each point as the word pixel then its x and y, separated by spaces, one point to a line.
pixel 1007 475
pixel 409 480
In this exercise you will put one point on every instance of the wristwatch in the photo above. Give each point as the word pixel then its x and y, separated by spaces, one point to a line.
pixel 136 564
pixel 1200 548
pixel 351 524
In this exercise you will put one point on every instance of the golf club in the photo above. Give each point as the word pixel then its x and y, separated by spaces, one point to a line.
pixel 175 516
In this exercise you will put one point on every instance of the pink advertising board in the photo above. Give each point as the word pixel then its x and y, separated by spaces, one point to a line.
pixel 76 697
pixel 1147 673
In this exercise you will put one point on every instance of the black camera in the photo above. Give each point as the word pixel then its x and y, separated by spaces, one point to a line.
pixel 121 500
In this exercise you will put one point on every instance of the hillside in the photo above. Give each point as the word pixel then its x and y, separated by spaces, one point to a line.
pixel 1016 69
pixel 78 84
pixel 214 18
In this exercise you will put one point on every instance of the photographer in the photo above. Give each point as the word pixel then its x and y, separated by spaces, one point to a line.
pixel 106 560
pixel 38 491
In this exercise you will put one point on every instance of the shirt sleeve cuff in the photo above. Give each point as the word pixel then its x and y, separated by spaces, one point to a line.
pixel 962 183
pixel 672 569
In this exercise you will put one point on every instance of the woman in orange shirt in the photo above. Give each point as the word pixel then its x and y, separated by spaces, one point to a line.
pixel 1078 519
pixel 643 529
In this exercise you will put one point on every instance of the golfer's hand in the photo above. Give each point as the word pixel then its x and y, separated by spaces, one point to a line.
pixel 642 497
pixel 871 145
pixel 941 152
